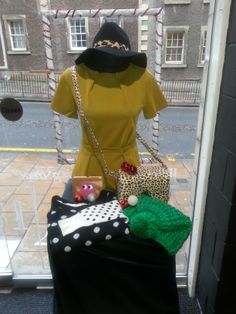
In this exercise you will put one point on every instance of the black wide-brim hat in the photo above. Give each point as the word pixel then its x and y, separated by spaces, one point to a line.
pixel 112 41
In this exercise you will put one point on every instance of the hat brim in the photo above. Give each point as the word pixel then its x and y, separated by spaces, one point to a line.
pixel 137 58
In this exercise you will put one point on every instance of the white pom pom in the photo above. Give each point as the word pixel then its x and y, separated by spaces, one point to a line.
pixel 132 200
pixel 91 197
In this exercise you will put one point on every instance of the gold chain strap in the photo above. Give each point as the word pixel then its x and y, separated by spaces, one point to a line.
pixel 92 136
pixel 85 121
pixel 149 149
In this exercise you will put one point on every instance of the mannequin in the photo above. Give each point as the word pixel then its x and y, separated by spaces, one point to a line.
pixel 124 275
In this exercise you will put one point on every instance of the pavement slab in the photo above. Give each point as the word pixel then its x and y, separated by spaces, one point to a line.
pixel 23 174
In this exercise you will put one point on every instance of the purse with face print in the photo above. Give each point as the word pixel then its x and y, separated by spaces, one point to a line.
pixel 87 188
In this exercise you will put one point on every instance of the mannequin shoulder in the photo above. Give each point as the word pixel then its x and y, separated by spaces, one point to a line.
pixel 66 74
pixel 148 75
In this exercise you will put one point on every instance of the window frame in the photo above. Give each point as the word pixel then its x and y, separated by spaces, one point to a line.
pixel 202 39
pixel 177 29
pixel 116 19
pixel 7 19
pixel 177 2
pixel 69 38
pixel 143 25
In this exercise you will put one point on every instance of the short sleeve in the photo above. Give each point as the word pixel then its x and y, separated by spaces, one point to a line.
pixel 63 100
pixel 154 100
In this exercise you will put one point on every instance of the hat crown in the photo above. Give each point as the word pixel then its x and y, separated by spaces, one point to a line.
pixel 111 31
pixel 111 51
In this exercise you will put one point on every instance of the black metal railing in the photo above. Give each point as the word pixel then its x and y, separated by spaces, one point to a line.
pixel 27 85
pixel 182 91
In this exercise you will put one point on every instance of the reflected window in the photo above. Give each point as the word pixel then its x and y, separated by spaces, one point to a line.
pixel 115 19
pixel 202 49
pixel 16 33
pixel 175 45
pixel 177 1
pixel 143 28
pixel 77 33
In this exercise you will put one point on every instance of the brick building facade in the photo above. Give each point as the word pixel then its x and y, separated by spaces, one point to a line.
pixel 185 22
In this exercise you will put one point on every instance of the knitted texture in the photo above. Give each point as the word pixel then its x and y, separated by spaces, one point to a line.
pixel 159 221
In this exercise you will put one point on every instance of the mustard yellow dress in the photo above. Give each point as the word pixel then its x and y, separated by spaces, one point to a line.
pixel 112 103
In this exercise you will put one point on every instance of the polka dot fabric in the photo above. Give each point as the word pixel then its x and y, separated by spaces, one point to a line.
pixel 75 225
pixel 94 214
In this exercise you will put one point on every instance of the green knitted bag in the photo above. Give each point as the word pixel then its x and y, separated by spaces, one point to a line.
pixel 159 221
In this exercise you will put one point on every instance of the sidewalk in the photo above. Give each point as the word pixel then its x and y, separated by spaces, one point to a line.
pixel 27 183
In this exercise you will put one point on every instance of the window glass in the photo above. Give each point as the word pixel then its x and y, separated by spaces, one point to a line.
pixel 174 47
pixel 38 152
pixel 144 22
pixel 78 37
pixel 144 32
pixel 17 35
pixel 203 47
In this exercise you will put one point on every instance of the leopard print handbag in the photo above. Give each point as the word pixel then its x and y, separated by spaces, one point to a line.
pixel 151 179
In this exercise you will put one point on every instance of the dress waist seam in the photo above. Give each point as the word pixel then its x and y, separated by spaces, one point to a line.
pixel 110 149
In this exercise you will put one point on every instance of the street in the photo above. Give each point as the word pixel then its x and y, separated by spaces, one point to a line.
pixel 177 130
